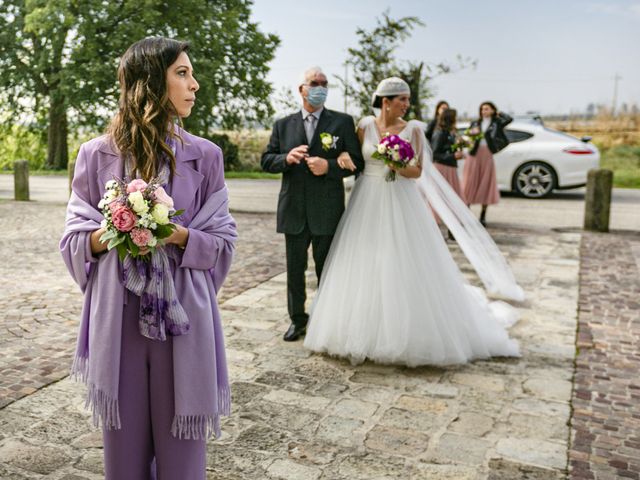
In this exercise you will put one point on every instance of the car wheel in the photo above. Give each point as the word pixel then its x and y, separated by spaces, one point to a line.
pixel 534 180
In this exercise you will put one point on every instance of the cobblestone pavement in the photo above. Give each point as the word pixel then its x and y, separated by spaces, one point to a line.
pixel 298 415
pixel 40 304
pixel 606 399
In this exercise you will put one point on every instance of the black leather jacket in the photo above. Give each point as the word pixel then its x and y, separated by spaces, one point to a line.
pixel 431 126
pixel 495 137
pixel 441 144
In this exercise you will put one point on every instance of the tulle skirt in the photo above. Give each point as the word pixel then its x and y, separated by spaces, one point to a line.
pixel 479 184
pixel 392 293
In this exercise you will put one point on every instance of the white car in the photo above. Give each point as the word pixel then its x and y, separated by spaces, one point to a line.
pixel 539 159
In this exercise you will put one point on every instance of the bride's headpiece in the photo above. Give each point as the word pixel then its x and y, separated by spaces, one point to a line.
pixel 389 87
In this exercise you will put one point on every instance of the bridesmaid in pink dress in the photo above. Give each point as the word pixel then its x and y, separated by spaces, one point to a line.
pixel 479 184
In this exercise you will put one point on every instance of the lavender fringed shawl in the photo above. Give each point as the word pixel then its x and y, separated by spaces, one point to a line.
pixel 201 384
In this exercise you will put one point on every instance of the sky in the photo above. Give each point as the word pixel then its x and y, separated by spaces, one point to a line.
pixel 551 57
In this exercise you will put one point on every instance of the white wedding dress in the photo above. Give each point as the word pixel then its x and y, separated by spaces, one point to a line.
pixel 390 290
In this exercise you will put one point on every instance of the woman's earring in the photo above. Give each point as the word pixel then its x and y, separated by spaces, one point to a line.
pixel 388 109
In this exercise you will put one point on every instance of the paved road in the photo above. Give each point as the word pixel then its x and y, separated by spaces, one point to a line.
pixel 564 209
pixel 488 420
pixel 298 416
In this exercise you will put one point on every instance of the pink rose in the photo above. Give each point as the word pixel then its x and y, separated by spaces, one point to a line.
pixel 114 205
pixel 123 218
pixel 141 236
pixel 162 197
pixel 136 185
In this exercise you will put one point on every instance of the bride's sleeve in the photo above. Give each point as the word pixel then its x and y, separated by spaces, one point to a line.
pixel 420 145
pixel 364 122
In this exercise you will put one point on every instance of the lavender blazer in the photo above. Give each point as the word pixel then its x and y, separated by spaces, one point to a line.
pixel 200 372
pixel 199 173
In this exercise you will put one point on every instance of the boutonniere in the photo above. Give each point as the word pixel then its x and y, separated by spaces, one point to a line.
pixel 328 141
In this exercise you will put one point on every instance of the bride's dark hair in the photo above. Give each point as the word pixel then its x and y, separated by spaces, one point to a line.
pixel 377 102
pixel 143 124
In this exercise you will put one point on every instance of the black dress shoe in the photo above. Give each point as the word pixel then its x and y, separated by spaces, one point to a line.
pixel 294 332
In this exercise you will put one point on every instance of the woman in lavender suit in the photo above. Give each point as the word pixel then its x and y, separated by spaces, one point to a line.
pixel 157 395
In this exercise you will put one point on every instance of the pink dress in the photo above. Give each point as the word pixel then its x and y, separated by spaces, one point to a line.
pixel 479 184
pixel 450 174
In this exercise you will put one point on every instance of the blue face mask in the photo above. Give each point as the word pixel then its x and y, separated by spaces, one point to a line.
pixel 316 96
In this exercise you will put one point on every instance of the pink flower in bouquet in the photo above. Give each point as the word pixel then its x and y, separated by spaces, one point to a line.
pixel 114 205
pixel 141 236
pixel 163 197
pixel 136 185
pixel 123 218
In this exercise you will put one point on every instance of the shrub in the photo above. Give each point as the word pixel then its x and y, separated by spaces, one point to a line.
pixel 229 150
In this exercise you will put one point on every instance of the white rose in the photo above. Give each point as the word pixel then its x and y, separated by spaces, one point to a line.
pixel 110 195
pixel 160 213
pixel 137 203
pixel 327 140
pixel 381 149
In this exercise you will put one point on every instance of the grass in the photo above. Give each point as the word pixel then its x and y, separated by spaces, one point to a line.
pixel 624 161
pixel 258 175
pixel 617 138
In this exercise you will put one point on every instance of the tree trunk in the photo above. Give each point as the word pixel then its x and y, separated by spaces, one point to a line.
pixel 57 151
pixel 413 76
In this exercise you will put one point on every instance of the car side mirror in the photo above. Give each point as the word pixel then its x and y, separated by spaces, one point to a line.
pixel 586 139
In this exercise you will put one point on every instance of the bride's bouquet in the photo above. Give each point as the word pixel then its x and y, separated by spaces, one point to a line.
pixel 394 151
pixel 136 215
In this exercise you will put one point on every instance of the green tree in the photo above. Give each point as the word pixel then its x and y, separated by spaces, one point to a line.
pixel 374 59
pixel 58 61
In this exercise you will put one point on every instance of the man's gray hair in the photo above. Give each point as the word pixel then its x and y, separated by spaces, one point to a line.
pixel 309 74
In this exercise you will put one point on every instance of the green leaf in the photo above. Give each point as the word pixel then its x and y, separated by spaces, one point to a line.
pixel 163 231
pixel 133 248
pixel 114 242
pixel 122 251
pixel 107 235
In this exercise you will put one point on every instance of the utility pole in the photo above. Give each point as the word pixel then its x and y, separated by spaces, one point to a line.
pixel 616 79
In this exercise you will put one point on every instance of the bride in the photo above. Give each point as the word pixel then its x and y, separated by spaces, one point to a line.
pixel 391 291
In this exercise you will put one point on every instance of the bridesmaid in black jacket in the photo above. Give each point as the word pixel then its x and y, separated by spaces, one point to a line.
pixel 445 153
pixel 441 106
pixel 479 183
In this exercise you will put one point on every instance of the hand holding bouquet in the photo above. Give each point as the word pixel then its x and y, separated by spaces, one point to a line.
pixel 137 215
pixel 395 152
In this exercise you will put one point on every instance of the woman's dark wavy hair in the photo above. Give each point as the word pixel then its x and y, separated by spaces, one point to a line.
pixel 447 121
pixel 438 105
pixel 492 105
pixel 144 122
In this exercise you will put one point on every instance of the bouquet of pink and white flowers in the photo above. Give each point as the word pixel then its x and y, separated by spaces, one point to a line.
pixel 137 215
pixel 467 139
pixel 395 151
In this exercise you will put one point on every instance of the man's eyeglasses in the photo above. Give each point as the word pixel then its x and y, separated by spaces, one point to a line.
pixel 313 83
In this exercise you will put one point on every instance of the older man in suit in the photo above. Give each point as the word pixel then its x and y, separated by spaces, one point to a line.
pixel 304 147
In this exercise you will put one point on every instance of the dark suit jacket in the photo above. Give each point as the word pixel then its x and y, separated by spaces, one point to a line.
pixel 305 197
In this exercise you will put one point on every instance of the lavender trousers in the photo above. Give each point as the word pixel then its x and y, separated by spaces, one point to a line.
pixel 146 413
